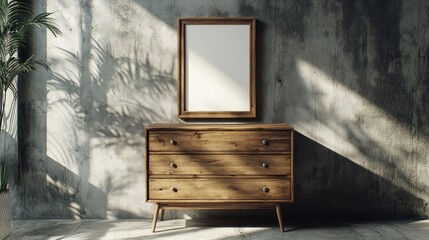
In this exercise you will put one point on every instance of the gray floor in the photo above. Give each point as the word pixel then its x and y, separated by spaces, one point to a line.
pixel 193 229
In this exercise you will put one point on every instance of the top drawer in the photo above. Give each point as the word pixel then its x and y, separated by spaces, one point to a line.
pixel 213 141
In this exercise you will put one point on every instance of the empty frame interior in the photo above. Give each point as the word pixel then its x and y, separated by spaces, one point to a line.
pixel 217 68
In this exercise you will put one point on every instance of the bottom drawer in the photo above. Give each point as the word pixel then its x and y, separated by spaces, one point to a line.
pixel 220 189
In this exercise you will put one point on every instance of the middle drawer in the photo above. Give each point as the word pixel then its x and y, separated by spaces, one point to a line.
pixel 220 164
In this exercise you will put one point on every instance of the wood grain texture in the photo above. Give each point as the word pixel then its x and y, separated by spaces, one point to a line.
pixel 219 127
pixel 205 205
pixel 231 177
pixel 155 216
pixel 260 165
pixel 209 189
pixel 146 178
pixel 279 217
pixel 292 155
pixel 220 166
pixel 219 201
pixel 228 141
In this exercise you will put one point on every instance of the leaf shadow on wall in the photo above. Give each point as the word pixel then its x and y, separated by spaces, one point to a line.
pixel 94 120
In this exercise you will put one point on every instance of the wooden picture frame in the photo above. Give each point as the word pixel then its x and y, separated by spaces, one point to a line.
pixel 216 67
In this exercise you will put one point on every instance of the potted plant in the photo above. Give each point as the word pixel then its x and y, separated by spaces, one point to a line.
pixel 16 21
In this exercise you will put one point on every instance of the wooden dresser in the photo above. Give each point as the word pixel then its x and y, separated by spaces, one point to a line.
pixel 225 166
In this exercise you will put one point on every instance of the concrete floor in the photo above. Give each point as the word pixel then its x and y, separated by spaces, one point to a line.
pixel 193 229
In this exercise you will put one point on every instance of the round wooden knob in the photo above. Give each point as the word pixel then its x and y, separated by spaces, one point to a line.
pixel 265 142
pixel 265 189
pixel 174 189
pixel 173 165
pixel 174 142
pixel 265 165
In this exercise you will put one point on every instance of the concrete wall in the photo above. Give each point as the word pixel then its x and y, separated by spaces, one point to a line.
pixel 350 76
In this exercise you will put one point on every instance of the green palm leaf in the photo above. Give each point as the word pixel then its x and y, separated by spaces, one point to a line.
pixel 16 21
pixel 4 177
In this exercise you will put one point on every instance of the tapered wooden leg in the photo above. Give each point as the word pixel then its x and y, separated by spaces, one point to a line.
pixel 279 217
pixel 155 217
pixel 161 218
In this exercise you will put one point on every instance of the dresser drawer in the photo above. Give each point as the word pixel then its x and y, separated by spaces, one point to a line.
pixel 220 189
pixel 196 164
pixel 219 141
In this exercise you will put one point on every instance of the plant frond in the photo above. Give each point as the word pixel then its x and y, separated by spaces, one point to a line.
pixel 3 12
pixel 13 89
pixel 15 67
pixel 16 21
pixel 18 12
pixel 4 177
pixel 44 20
pixel 12 43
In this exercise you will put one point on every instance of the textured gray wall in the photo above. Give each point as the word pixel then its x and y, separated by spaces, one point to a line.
pixel 350 76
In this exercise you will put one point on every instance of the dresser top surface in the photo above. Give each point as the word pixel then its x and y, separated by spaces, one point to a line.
pixel 218 127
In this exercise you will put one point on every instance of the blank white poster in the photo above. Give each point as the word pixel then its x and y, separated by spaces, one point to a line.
pixel 217 72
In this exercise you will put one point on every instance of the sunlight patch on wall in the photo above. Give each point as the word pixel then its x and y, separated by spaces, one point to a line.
pixel 61 117
pixel 61 142
pixel 64 189
pixel 362 132
pixel 108 82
